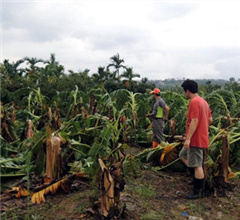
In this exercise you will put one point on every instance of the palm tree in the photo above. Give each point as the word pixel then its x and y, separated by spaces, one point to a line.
pixel 13 68
pixel 128 74
pixel 80 78
pixel 101 76
pixel 32 62
pixel 33 72
pixel 11 78
pixel 117 64
pixel 53 70
pixel 144 80
pixel 52 59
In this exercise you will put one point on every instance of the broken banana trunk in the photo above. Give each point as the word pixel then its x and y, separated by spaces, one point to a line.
pixel 107 189
pixel 53 156
pixel 111 184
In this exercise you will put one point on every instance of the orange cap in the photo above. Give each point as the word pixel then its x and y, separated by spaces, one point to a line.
pixel 155 91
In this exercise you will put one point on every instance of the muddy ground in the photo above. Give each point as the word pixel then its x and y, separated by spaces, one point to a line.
pixel 148 195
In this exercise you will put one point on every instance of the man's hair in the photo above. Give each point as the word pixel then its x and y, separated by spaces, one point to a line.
pixel 190 85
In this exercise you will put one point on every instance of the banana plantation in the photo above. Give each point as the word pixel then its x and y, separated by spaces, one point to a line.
pixel 67 132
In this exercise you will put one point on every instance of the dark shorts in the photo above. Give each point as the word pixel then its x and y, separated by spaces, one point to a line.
pixel 194 156
pixel 158 125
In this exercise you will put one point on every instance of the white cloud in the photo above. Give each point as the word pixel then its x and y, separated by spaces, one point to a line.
pixel 199 71
pixel 158 39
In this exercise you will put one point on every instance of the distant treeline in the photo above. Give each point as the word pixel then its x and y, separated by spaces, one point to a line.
pixel 50 77
pixel 168 83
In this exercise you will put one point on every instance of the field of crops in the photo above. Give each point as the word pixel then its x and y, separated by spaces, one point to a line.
pixel 58 130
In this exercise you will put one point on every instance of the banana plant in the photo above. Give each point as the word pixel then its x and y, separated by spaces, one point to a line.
pixel 163 157
pixel 8 127
pixel 222 103
pixel 128 100
pixel 178 110
pixel 73 110
pixel 36 100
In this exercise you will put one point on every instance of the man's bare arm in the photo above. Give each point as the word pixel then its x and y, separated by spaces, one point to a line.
pixel 166 112
pixel 192 128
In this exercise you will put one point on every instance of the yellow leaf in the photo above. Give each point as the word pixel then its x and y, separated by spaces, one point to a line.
pixel 33 199
pixel 22 192
pixel 233 175
pixel 15 188
pixel 166 150
pixel 38 197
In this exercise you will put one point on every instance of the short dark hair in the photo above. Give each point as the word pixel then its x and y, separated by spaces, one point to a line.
pixel 190 85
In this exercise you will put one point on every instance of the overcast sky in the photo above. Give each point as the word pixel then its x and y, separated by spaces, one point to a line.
pixel 159 39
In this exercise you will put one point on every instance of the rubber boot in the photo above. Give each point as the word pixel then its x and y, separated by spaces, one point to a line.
pixel 154 144
pixel 192 172
pixel 198 192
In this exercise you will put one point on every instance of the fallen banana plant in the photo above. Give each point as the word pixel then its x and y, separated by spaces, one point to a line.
pixel 54 186
pixel 150 153
pixel 20 191
pixel 165 155
pixel 38 193
pixel 17 191
pixel 169 154
pixel 38 197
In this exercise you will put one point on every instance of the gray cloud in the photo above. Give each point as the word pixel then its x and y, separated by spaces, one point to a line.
pixel 229 67
pixel 148 36
pixel 206 54
pixel 41 21
pixel 110 39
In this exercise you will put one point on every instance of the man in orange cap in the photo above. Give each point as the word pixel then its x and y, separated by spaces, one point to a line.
pixel 159 114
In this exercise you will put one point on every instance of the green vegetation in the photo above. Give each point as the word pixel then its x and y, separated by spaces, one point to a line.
pixel 82 117
pixel 93 114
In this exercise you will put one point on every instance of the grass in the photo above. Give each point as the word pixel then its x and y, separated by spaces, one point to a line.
pixel 143 191
pixel 152 216
pixel 196 208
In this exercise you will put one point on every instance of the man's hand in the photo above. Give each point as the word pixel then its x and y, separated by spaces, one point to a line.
pixel 186 144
